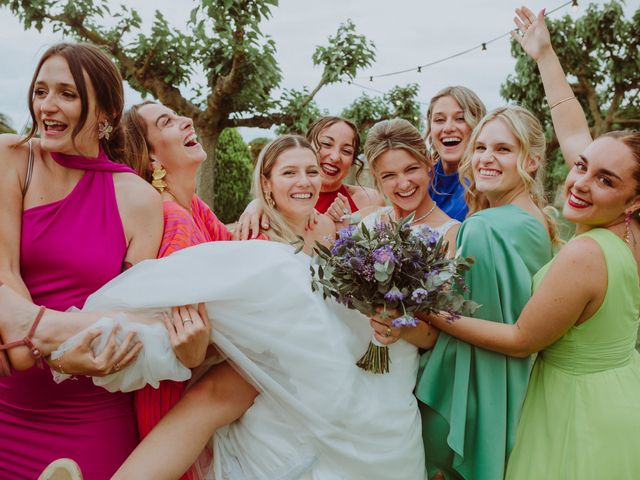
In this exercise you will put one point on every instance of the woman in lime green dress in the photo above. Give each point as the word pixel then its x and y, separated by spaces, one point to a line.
pixel 581 415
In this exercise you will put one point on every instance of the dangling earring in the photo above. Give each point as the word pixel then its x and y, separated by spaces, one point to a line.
pixel 157 176
pixel 269 199
pixel 104 129
pixel 627 228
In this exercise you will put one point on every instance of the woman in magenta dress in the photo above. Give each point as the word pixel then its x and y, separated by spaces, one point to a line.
pixel 162 147
pixel 71 219
pixel 337 144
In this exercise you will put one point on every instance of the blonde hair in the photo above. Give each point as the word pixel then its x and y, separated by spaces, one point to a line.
pixel 395 134
pixel 472 107
pixel 529 133
pixel 279 229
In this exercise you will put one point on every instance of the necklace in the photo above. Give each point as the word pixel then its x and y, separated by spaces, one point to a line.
pixel 416 220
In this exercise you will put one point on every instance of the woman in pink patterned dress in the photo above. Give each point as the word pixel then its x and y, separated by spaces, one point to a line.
pixel 163 145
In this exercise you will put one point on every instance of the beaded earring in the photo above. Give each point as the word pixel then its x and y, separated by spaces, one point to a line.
pixel 628 234
pixel 157 176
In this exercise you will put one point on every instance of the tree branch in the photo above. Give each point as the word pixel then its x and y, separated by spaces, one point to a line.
pixel 164 92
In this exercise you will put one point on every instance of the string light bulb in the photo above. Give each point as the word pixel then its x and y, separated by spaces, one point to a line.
pixel 371 79
pixel 398 103
pixel 574 5
pixel 419 69
pixel 484 48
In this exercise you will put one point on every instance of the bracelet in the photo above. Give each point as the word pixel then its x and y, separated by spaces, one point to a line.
pixel 60 369
pixel 572 97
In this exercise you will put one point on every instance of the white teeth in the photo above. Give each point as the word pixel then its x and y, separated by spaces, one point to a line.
pixel 407 194
pixel 451 141
pixel 302 196
pixel 330 168
pixel 578 201
pixel 53 123
pixel 489 173
pixel 191 139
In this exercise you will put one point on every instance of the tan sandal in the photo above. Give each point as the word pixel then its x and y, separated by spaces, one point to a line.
pixel 5 365
pixel 61 469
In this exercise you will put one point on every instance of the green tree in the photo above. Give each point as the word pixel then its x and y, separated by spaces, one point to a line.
pixel 5 126
pixel 224 41
pixel 255 147
pixel 232 189
pixel 400 102
pixel 600 54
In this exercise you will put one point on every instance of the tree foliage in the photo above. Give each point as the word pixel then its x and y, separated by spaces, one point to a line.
pixel 399 102
pixel 223 42
pixel 5 126
pixel 233 182
pixel 600 54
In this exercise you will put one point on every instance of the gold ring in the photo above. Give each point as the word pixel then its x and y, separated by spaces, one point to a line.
pixel 116 366
pixel 388 332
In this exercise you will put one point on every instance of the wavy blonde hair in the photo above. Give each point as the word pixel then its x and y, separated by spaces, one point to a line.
pixel 530 136
pixel 395 134
pixel 279 229
pixel 472 107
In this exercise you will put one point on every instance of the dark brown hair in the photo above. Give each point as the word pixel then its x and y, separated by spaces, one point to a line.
pixel 325 122
pixel 107 85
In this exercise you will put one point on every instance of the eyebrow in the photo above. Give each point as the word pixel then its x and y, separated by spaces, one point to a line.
pixel 61 84
pixel 602 170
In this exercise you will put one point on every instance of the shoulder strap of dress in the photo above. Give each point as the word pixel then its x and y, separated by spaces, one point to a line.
pixel 27 180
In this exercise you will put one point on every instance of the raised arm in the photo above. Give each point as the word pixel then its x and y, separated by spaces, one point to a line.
pixel 570 293
pixel 568 118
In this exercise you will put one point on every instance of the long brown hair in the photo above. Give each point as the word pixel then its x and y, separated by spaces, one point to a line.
pixel 107 85
pixel 631 139
pixel 137 147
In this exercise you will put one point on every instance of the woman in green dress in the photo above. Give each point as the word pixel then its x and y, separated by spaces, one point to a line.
pixel 581 415
pixel 470 397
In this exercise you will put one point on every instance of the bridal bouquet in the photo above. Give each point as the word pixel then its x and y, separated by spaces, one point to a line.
pixel 395 267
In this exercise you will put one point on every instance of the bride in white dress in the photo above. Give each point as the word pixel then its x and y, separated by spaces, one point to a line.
pixel 317 415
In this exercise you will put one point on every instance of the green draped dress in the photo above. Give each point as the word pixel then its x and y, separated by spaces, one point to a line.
pixel 471 398
pixel 581 415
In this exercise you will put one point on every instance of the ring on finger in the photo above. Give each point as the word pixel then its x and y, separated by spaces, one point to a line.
pixel 116 366
pixel 186 320
pixel 345 211
pixel 388 332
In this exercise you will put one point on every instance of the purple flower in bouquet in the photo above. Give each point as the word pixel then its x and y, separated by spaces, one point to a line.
pixel 419 295
pixel 394 295
pixel 404 321
pixel 384 254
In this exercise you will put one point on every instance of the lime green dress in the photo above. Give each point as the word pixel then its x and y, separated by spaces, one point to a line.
pixel 581 416
pixel 471 398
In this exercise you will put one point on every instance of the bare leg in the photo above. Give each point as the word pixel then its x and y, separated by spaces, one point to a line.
pixel 219 398
pixel 17 316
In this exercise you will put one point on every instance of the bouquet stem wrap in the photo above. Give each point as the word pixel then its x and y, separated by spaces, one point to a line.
pixel 376 358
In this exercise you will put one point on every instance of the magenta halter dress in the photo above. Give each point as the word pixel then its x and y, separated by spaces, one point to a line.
pixel 69 249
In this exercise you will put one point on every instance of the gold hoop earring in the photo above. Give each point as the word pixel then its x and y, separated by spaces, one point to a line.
pixel 105 129
pixel 269 199
pixel 157 176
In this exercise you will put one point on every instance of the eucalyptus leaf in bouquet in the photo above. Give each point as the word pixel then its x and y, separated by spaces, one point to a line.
pixel 394 266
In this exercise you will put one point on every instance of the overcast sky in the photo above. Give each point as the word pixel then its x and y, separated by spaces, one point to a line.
pixel 406 33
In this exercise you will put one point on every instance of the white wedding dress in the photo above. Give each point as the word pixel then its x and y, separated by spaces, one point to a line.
pixel 318 415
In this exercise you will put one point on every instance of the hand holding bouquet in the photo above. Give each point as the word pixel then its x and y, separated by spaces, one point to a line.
pixel 393 266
